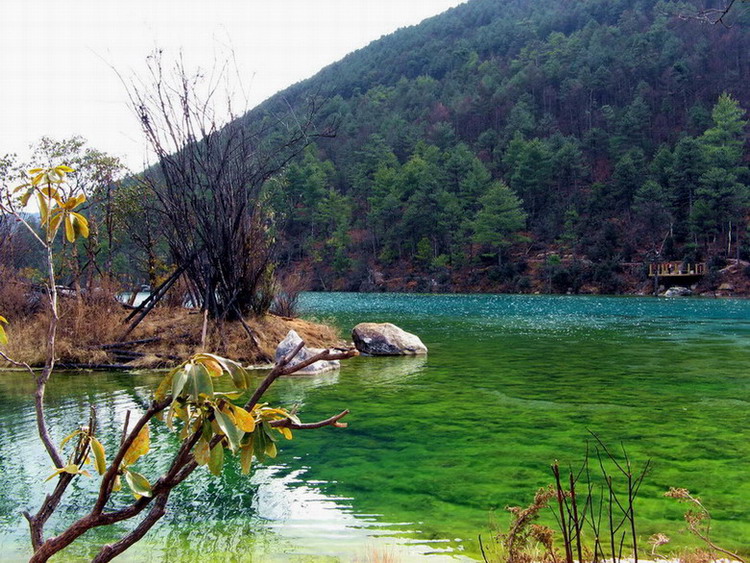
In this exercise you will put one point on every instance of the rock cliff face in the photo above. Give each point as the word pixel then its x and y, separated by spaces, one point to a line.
pixel 291 341
pixel 386 339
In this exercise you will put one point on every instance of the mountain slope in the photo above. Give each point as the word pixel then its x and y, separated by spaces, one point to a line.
pixel 601 126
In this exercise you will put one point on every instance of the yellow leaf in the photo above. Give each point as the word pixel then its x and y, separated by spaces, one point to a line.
pixel 99 458
pixel 61 168
pixel 70 232
pixel 271 449
pixel 75 201
pixel 139 447
pixel 216 459
pixel 202 452
pixel 69 437
pixel 287 432
pixel 3 335
pixel 80 224
pixel 117 485
pixel 43 208
pixel 212 366
pixel 71 468
pixel 24 199
pixel 35 170
pixel 164 387
pixel 243 419
pixel 54 224
pixel 50 193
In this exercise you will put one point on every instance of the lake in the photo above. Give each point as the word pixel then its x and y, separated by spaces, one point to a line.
pixel 437 446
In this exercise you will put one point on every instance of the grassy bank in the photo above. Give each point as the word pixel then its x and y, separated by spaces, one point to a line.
pixel 90 332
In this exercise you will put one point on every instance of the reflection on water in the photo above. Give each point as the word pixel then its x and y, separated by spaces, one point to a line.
pixel 389 370
pixel 436 443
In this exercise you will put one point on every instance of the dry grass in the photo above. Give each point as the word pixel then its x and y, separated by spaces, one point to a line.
pixel 696 555
pixel 378 555
pixel 86 324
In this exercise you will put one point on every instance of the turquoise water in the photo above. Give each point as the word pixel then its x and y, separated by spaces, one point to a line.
pixel 436 447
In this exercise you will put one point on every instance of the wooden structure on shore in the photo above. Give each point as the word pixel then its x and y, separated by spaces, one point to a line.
pixel 676 269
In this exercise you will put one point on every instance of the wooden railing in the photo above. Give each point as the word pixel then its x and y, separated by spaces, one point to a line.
pixel 671 269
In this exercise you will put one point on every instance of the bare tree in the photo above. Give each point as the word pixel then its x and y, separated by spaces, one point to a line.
pixel 716 13
pixel 210 178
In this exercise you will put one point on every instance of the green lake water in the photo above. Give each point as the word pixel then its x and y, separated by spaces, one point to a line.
pixel 437 446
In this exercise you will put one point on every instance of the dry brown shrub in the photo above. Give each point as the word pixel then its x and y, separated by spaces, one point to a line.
pixel 17 301
pixel 696 555
pixel 286 300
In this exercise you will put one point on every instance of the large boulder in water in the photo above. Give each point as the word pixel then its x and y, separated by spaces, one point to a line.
pixel 290 342
pixel 386 339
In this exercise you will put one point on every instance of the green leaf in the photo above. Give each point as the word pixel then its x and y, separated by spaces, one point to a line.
pixel 216 461
pixel 240 377
pixel 246 458
pixel 200 382
pixel 233 434
pixel 208 431
pixel 99 458
pixel 269 431
pixel 138 484
pixel 178 382
pixel 259 444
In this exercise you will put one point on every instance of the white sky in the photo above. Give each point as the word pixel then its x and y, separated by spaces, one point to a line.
pixel 56 55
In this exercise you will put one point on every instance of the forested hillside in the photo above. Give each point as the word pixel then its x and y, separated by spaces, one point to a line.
pixel 504 143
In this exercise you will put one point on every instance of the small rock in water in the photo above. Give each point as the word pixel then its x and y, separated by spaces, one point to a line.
pixel 677 291
pixel 386 339
pixel 290 342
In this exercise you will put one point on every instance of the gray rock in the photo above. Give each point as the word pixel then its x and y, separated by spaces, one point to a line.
pixel 726 287
pixel 290 342
pixel 677 291
pixel 386 339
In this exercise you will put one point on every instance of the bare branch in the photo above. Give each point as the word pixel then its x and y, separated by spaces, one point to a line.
pixel 283 368
pixel 332 421
pixel 109 552
pixel 712 16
